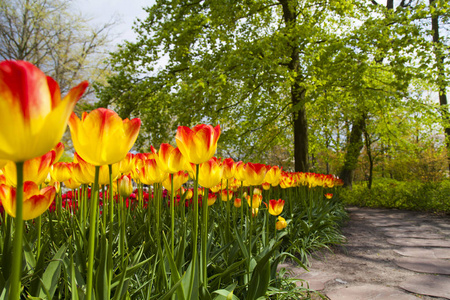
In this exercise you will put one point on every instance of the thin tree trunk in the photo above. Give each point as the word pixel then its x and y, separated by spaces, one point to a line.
pixel 297 96
pixel 355 144
pixel 370 157
pixel 441 80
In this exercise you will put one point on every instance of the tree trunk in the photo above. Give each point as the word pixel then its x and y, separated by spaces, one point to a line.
pixel 370 157
pixel 353 150
pixel 355 144
pixel 300 138
pixel 297 96
pixel 441 80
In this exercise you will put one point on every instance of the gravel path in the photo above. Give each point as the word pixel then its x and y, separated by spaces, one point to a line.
pixel 389 254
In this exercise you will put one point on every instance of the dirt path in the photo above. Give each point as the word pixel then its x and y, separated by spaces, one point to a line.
pixel 371 265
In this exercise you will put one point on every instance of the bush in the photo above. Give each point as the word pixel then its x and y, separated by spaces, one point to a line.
pixel 390 193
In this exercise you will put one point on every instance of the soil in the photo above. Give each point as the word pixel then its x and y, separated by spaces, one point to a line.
pixel 367 258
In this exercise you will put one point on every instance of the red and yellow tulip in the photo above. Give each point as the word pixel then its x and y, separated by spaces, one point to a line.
pixel 276 207
pixel 198 144
pixel 126 164
pixel 225 195
pixel 61 171
pixel 35 201
pixel 170 159
pixel 125 186
pixel 179 179
pixel 229 168
pixel 255 201
pixel 211 199
pixel 210 173
pixel 254 173
pixel 273 176
pixel 150 173
pixel 36 169
pixel 71 183
pixel 83 171
pixel 281 223
pixel 101 137
pixel 33 117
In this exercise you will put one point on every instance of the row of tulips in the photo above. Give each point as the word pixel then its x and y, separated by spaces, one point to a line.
pixel 98 236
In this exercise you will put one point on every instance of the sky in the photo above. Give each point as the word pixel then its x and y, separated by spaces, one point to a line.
pixel 103 11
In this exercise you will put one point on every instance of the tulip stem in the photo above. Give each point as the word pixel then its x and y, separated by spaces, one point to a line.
pixel 194 233
pixel 92 234
pixel 227 231
pixel 205 236
pixel 250 234
pixel 38 244
pixel 242 206
pixel 111 224
pixel 172 215
pixel 104 210
pixel 122 231
pixel 17 258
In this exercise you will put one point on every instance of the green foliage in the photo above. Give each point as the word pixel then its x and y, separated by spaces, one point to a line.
pixel 242 262
pixel 316 222
pixel 390 193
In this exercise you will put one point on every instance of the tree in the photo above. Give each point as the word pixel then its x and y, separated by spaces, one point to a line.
pixel 438 11
pixel 248 65
pixel 49 34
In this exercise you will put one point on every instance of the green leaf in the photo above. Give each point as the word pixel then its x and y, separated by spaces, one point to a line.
pixel 261 274
pixel 51 276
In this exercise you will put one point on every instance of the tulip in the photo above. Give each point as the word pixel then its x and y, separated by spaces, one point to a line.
pixel 328 195
pixel 229 168
pixel 254 173
pixel 198 144
pixel 273 175
pixel 83 171
pixel 281 223
pixel 36 169
pixel 59 151
pixel 286 181
pixel 137 164
pixel 170 159
pixel 101 137
pixel 211 199
pixel 276 207
pixel 225 195
pixel 104 174
pixel 179 179
pixel 254 202
pixel 189 194
pixel 216 188
pixel 255 212
pixel 126 164
pixel 237 202
pixel 239 173
pixel 257 191
pixel 150 173
pixel 266 186
pixel 61 171
pixel 125 186
pixel 71 183
pixel 33 117
pixel 32 121
pixel 35 202
pixel 210 173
